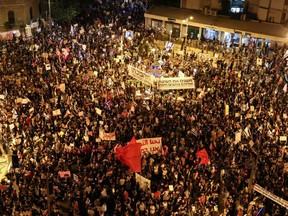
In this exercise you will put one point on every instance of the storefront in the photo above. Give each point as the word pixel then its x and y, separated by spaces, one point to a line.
pixel 224 30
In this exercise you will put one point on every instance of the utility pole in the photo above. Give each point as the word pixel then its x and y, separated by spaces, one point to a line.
pixel 49 7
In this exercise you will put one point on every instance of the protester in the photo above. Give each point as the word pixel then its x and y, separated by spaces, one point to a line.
pixel 62 90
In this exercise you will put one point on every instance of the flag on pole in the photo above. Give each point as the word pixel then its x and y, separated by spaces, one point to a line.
pixel 130 155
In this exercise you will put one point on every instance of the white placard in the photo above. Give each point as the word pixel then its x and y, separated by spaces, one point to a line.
pixel 24 101
pixel 11 126
pixel 98 111
pixel 56 112
pixel 62 87
pixel 47 67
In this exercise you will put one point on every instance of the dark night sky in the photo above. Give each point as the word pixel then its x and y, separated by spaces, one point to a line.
pixel 175 3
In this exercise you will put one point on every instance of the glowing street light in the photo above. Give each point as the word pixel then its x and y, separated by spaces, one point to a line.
pixel 170 33
pixel 186 36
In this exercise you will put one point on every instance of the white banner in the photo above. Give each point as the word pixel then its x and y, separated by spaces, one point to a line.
pixel 140 75
pixel 176 83
pixel 270 195
pixel 151 145
pixel 162 83
pixel 144 183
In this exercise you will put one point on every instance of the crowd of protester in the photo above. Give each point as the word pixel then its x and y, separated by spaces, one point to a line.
pixel 78 70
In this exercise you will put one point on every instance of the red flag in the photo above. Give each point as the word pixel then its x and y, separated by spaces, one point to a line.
pixel 203 155
pixel 130 155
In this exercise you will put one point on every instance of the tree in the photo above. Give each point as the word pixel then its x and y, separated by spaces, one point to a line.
pixel 65 10
pixel 226 5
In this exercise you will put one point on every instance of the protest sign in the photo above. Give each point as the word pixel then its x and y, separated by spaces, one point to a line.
pixel 259 61
pixel 143 182
pixel 75 178
pixel 226 110
pixel 151 145
pixel 56 112
pixel 19 100
pixel 62 87
pixel 237 137
pixel 285 168
pixel 175 83
pixel 24 101
pixel 107 136
pixel 270 195
pixel 140 75
pixel 98 111
pixel 11 126
pixel 47 67
pixel 64 174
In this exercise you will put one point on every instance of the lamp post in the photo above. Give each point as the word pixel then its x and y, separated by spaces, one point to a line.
pixel 49 7
pixel 186 36
pixel 170 34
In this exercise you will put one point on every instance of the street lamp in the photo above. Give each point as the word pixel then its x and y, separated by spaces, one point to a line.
pixel 186 36
pixel 49 7
pixel 186 21
pixel 170 33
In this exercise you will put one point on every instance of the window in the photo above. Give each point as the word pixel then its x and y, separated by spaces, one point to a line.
pixel 11 18
pixel 31 13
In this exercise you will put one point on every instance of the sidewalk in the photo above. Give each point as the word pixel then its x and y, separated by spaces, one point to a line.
pixel 177 48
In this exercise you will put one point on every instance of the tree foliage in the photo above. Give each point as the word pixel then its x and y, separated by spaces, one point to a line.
pixel 226 4
pixel 65 11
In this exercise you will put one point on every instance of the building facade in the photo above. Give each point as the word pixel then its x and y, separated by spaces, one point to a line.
pixel 176 22
pixel 274 11
pixel 15 13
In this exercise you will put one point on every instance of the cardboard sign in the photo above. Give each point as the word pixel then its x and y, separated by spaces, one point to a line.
pixel 143 182
pixel 283 138
pixel 47 67
pixel 226 110
pixel 62 87
pixel 98 111
pixel 19 100
pixel 56 112
pixel 24 101
pixel 64 174
pixel 107 136
pixel 75 178
pixel 151 145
